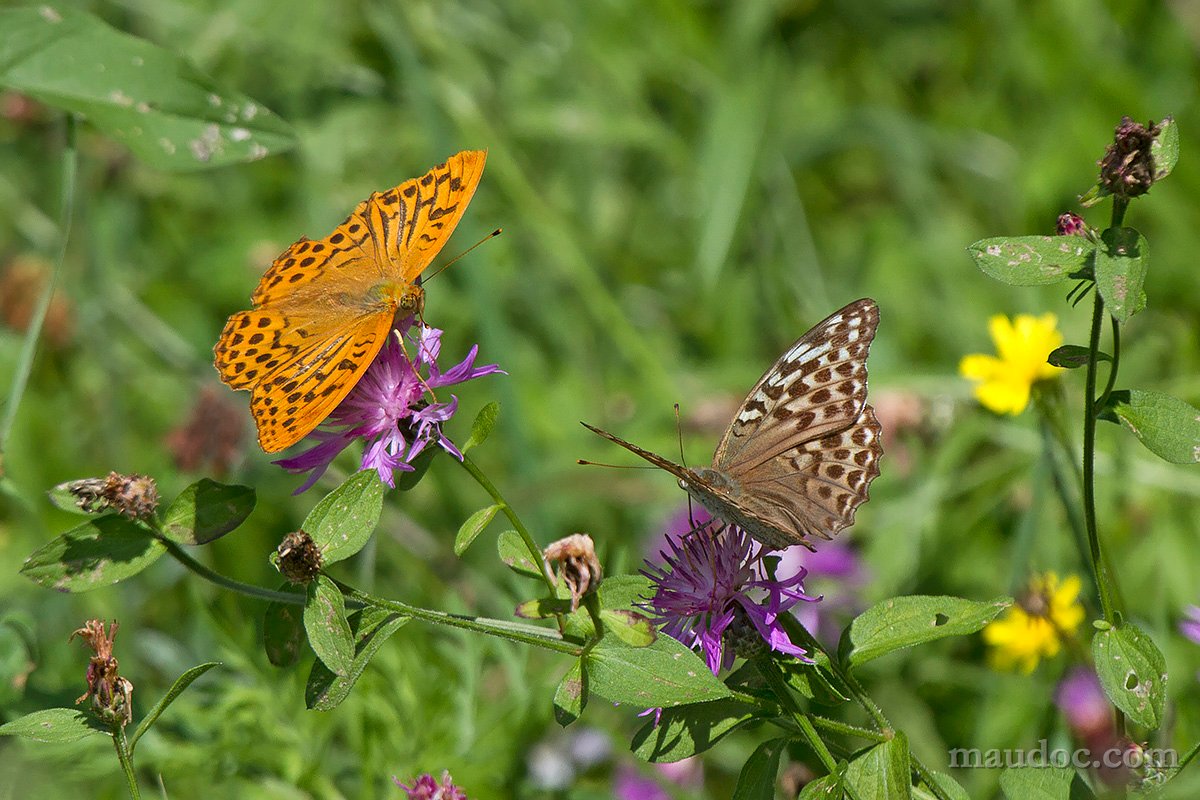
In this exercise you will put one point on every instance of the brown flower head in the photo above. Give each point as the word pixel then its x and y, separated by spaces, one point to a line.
pixel 1127 169
pixel 135 496
pixel 111 695
pixel 298 558
pixel 578 568
pixel 20 287
pixel 211 437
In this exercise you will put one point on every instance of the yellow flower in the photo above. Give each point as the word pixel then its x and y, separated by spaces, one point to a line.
pixel 1036 627
pixel 1023 346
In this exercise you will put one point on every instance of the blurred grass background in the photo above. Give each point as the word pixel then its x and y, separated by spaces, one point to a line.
pixel 684 189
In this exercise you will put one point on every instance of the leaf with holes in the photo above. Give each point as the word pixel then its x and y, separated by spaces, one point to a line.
pixel 144 96
pixel 906 621
pixel 1133 672
pixel 1167 426
pixel 346 517
pixel 1121 262
pixel 1032 260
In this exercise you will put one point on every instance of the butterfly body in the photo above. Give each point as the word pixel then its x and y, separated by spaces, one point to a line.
pixel 801 451
pixel 324 308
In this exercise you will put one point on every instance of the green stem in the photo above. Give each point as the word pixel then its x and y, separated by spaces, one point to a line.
pixel 774 678
pixel 833 726
pixel 513 631
pixel 70 160
pixel 125 756
pixel 1116 363
pixel 250 590
pixel 1053 435
pixel 535 552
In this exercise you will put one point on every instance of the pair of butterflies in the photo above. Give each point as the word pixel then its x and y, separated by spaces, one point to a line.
pixel 795 462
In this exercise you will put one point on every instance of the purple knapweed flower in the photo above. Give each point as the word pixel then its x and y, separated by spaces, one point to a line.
pixel 425 787
pixel 713 579
pixel 1190 625
pixel 388 410
pixel 630 784
pixel 834 569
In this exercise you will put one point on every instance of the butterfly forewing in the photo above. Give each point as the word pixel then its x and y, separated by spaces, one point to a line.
pixel 817 387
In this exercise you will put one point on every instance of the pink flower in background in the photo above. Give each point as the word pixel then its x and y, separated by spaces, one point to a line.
pixel 425 787
pixel 1189 626
pixel 1083 703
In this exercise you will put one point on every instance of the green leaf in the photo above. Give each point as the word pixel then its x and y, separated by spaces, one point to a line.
pixel 345 518
pixel 372 627
pixel 906 621
pixel 98 553
pixel 1165 148
pixel 18 656
pixel 815 681
pixel 283 632
pixel 1073 356
pixel 62 498
pixel 472 527
pixel 206 511
pixel 1121 261
pixel 688 730
pixel 54 725
pixel 757 779
pixel 543 608
pixel 482 427
pixel 625 591
pixel 420 465
pixel 1167 426
pixel 1032 260
pixel 630 627
pixel 882 773
pixel 570 698
pixel 661 675
pixel 148 98
pixel 515 554
pixel 950 788
pixel 1043 783
pixel 181 683
pixel 326 625
pixel 826 787
pixel 1133 672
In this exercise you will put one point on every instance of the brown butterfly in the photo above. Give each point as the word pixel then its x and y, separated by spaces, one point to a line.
pixel 804 446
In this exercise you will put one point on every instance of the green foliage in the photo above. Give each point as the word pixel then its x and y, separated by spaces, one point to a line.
pixel 144 96
pixel 473 526
pixel 688 730
pixel 97 553
pixel 757 779
pixel 1121 263
pixel 1032 260
pixel 660 675
pixel 1133 672
pixel 907 621
pixel 344 520
pixel 206 511
pixel 1169 427
pixel 1043 783
pixel 54 725
pixel 327 627
pixel 882 773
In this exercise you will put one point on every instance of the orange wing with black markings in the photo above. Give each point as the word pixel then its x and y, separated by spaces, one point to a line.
pixel 323 309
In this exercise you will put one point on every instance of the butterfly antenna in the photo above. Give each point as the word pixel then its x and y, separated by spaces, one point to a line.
pixel 440 269
pixel 585 463
pixel 683 461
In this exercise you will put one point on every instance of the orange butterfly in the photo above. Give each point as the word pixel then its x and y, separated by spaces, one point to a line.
pixel 323 309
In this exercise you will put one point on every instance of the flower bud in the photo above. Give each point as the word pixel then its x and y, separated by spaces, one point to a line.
pixel 298 558
pixel 135 496
pixel 1070 224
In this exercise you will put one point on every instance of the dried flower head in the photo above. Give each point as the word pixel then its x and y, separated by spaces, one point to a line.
pixel 111 695
pixel 135 496
pixel 578 566
pixel 298 558
pixel 211 437
pixel 1127 169
pixel 20 286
